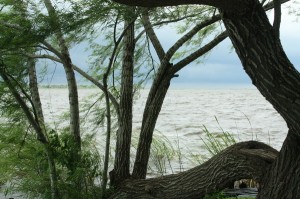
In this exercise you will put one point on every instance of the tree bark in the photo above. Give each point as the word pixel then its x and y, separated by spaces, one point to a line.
pixel 243 160
pixel 282 180
pixel 266 63
pixel 122 155
pixel 151 112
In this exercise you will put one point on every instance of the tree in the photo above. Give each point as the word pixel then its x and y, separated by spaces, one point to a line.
pixel 258 47
pixel 20 40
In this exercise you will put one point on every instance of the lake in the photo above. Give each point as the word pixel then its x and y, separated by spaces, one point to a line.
pixel 243 112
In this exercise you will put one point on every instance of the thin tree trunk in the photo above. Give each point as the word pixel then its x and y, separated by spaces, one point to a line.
pixel 70 75
pixel 122 156
pixel 33 85
pixel 108 133
pixel 151 112
pixel 243 160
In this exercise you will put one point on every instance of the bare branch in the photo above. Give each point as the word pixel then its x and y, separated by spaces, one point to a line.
pixel 190 34
pixel 277 17
pixel 199 52
pixel 237 6
pixel 270 5
pixel 52 49
pixel 151 34
pixel 165 22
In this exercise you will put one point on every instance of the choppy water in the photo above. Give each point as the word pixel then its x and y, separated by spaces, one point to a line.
pixel 243 112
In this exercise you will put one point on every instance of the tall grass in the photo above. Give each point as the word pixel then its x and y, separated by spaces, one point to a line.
pixel 216 142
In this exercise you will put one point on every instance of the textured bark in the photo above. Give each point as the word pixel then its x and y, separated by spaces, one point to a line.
pixel 242 160
pixel 265 62
pixel 35 96
pixel 151 112
pixel 282 180
pixel 122 156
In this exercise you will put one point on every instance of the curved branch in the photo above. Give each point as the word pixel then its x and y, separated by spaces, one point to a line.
pixel 52 49
pixel 165 22
pixel 190 34
pixel 228 5
pixel 247 160
pixel 237 6
pixel 187 60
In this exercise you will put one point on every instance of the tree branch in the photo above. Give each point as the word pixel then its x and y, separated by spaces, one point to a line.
pixel 52 49
pixel 237 6
pixel 190 34
pixel 270 5
pixel 151 34
pixel 277 17
pixel 187 60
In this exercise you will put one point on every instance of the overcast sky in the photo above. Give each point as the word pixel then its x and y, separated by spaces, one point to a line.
pixel 221 67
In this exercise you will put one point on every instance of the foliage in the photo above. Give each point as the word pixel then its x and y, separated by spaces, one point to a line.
pixel 24 164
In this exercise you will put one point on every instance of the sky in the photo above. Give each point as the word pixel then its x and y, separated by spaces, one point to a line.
pixel 221 68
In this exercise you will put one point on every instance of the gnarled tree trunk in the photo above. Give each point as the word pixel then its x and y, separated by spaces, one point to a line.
pixel 264 60
pixel 242 160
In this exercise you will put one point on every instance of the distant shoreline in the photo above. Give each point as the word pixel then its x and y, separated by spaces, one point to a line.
pixel 64 86
pixel 172 87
